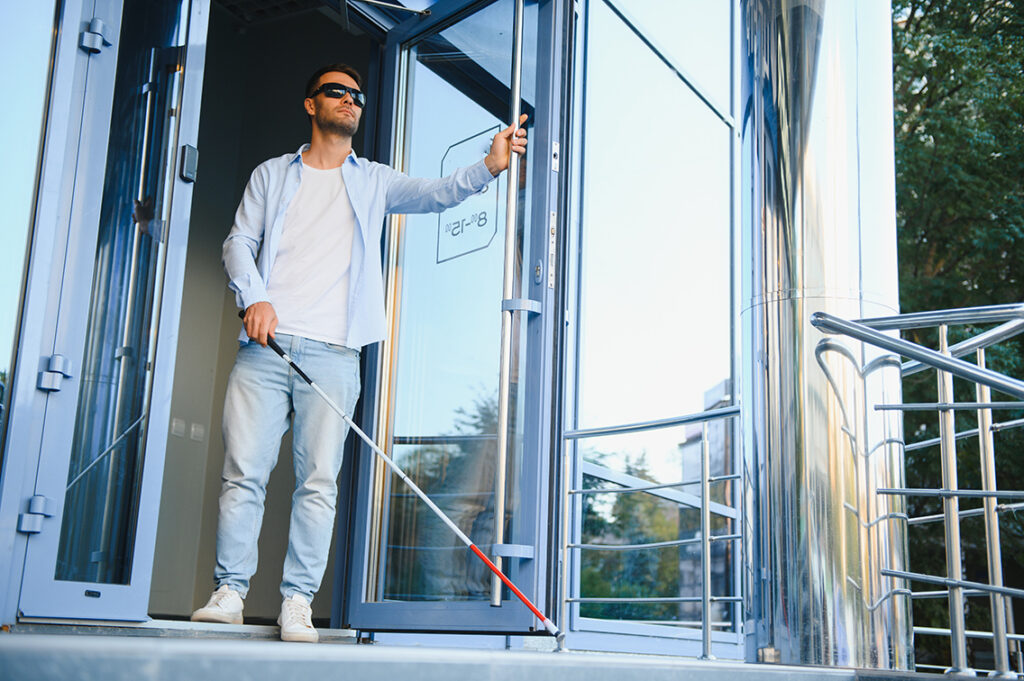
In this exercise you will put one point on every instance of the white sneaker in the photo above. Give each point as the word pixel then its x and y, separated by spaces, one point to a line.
pixel 296 620
pixel 225 606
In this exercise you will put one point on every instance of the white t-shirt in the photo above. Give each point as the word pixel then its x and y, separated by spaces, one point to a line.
pixel 308 283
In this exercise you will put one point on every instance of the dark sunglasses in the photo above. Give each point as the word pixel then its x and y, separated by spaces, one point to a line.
pixel 337 91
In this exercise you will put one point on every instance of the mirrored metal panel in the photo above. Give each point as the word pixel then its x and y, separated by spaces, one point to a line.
pixel 820 235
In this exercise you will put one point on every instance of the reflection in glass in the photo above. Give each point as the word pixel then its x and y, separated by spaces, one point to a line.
pixel 693 34
pixel 100 508
pixel 638 518
pixel 449 281
pixel 670 454
pixel 655 280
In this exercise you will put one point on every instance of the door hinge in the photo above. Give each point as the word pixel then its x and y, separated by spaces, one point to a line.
pixel 57 369
pixel 94 38
pixel 39 507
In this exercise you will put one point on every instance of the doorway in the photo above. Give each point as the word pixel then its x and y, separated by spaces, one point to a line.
pixel 449 74
pixel 257 62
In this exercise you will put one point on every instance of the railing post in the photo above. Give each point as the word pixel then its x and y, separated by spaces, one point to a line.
pixel 705 543
pixel 986 446
pixel 1011 629
pixel 567 514
pixel 951 510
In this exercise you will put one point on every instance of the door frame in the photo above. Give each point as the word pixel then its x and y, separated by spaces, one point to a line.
pixel 544 210
pixel 65 231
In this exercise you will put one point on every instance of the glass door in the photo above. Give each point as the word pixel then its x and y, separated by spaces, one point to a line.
pixel 441 392
pixel 101 455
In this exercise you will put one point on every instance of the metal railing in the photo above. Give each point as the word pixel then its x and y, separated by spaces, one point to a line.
pixel 947 364
pixel 665 491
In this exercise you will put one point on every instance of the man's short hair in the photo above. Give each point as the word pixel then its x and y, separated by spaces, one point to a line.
pixel 339 68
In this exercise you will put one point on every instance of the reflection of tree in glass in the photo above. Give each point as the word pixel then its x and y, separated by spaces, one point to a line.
pixel 665 572
pixel 426 560
pixel 635 518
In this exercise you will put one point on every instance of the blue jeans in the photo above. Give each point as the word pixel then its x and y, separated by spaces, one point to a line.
pixel 263 395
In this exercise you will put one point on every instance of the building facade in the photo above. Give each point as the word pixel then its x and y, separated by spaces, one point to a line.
pixel 664 459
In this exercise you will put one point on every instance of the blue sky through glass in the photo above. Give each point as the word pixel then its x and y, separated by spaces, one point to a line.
pixel 655 311
pixel 21 118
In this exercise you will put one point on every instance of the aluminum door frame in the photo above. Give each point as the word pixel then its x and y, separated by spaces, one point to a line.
pixel 55 320
pixel 533 576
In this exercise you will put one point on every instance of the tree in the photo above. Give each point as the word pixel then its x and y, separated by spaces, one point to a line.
pixel 959 100
pixel 959 96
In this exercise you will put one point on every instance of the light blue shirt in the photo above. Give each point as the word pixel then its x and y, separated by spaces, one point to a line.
pixel 374 189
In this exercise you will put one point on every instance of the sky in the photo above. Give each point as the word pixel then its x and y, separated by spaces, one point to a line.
pixel 20 128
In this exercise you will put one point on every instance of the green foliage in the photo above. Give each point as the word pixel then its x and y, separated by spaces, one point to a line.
pixel 959 98
pixel 646 573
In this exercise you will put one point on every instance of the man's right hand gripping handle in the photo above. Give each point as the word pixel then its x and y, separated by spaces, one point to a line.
pixel 260 321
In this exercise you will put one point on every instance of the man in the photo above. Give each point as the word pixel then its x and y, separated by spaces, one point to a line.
pixel 303 258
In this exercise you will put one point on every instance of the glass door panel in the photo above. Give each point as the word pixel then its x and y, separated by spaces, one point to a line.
pixel 96 471
pixel 110 427
pixel 445 391
pixel 438 400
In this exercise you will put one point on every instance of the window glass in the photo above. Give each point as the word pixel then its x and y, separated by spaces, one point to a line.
pixel 694 35
pixel 654 317
pixel 654 322
pixel 447 343
pixel 637 519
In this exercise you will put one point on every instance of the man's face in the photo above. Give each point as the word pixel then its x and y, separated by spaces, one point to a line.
pixel 337 116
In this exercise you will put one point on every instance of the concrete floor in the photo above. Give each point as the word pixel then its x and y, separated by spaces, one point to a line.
pixel 69 657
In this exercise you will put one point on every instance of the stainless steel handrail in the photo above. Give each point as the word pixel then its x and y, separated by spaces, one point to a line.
pixel 979 342
pixel 698 417
pixel 658 544
pixel 929 406
pixel 656 599
pixel 938 631
pixel 952 493
pixel 995 428
pixel 441 439
pixel 1001 508
pixel 986 314
pixel 937 360
pixel 954 583
pixel 645 488
pixel 947 366
pixel 944 593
